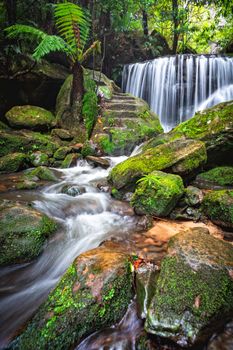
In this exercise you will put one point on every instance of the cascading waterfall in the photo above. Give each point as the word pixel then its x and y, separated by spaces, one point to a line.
pixel 177 86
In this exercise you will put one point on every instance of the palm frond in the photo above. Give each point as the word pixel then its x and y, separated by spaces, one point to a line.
pixel 21 31
pixel 73 24
pixel 50 43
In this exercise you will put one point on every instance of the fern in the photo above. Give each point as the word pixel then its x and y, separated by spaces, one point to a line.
pixel 50 43
pixel 149 180
pixel 73 24
pixel 21 31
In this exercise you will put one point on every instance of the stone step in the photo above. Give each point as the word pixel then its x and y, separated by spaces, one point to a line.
pixel 118 106
pixel 122 96
pixel 120 113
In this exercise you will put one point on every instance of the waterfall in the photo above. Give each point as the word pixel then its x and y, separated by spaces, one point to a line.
pixel 177 86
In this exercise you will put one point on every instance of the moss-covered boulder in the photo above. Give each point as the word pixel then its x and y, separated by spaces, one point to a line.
pixel 157 194
pixel 42 173
pixel 214 126
pixel 94 293
pixel 30 117
pixel 193 196
pixel 218 206
pixel 26 141
pixel 61 153
pixel 216 177
pixel 12 162
pixel 70 160
pixel 39 158
pixel 62 134
pixel 23 232
pixel 182 157
pixel 194 292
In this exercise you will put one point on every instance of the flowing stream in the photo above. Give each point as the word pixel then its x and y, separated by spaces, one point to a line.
pixel 86 220
pixel 177 86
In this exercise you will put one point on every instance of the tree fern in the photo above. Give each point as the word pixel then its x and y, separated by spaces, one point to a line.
pixel 73 24
pixel 50 43
pixel 20 31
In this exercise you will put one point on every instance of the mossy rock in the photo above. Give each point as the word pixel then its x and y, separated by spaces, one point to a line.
pixel 157 194
pixel 194 292
pixel 62 152
pixel 218 206
pixel 42 173
pixel 182 157
pixel 94 293
pixel 30 117
pixel 70 160
pixel 39 158
pixel 62 134
pixel 12 162
pixel 220 176
pixel 23 232
pixel 26 141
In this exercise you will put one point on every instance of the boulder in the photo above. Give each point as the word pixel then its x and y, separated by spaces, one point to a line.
pixel 94 293
pixel 98 161
pixel 73 190
pixel 62 134
pixel 194 292
pixel 218 206
pixel 23 232
pixel 70 160
pixel 193 196
pixel 182 157
pixel 62 152
pixel 216 177
pixel 26 141
pixel 30 117
pixel 39 158
pixel 42 173
pixel 157 194
pixel 12 162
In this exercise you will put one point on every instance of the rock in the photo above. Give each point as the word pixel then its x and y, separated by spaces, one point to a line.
pixel 157 194
pixel 42 173
pixel 186 213
pixel 70 160
pixel 182 157
pixel 146 278
pixel 222 341
pixel 193 196
pixel 23 231
pixel 98 161
pixel 30 117
pixel 126 122
pixel 61 153
pixel 73 190
pixel 194 292
pixel 94 293
pixel 62 134
pixel 12 162
pixel 26 141
pixel 77 147
pixel 218 206
pixel 39 158
pixel 216 177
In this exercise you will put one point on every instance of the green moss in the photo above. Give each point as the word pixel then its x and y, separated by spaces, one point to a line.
pixel 67 162
pixel 72 311
pixel 222 176
pixel 181 153
pixel 211 121
pixel 42 173
pixel 12 162
pixel 23 233
pixel 157 193
pixel 218 206
pixel 31 117
pixel 175 309
pixel 61 153
pixel 87 149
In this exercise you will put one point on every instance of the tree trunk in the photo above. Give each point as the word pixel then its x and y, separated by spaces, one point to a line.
pixel 175 26
pixel 77 92
pixel 145 22
pixel 11 11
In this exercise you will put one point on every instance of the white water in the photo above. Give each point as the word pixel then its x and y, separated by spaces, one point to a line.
pixel 86 221
pixel 177 86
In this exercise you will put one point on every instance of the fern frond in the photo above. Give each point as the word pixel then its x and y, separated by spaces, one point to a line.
pixel 50 43
pixel 73 24
pixel 95 47
pixel 20 31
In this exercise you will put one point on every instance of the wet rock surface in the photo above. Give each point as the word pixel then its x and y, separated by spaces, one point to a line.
pixel 194 289
pixel 23 231
pixel 94 293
